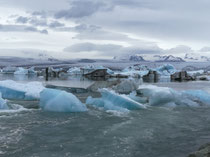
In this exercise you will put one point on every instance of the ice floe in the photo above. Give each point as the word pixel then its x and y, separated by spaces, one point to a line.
pixel 60 101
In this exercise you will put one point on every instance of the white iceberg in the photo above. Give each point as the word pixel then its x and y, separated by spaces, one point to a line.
pixel 20 91
pixel 9 70
pixel 21 71
pixel 60 101
pixel 87 69
pixel 113 101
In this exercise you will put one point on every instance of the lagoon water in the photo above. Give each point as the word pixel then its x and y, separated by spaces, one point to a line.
pixel 152 132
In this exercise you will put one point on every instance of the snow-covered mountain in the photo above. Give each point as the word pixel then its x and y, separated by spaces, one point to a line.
pixel 168 58
pixel 192 57
pixel 136 58
pixel 154 58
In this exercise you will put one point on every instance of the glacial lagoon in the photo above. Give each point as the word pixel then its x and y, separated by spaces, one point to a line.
pixel 160 130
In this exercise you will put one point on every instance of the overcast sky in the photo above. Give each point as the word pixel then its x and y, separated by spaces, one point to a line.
pixel 104 28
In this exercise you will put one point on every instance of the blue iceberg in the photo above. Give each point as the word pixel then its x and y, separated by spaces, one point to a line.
pixel 167 96
pixel 60 101
pixel 201 95
pixel 19 91
pixel 166 70
pixel 3 104
pixel 113 101
pixel 158 95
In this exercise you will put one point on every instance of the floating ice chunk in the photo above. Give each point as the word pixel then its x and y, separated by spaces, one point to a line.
pixel 136 71
pixel 31 71
pixel 134 97
pixel 20 91
pixel 203 96
pixel 60 101
pixel 74 71
pixel 3 104
pixel 158 95
pixel 9 70
pixel 196 73
pixel 167 96
pixel 113 101
pixel 126 86
pixel 166 70
pixel 104 104
pixel 21 71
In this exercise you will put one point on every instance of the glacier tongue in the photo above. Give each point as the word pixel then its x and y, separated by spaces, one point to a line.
pixel 113 101
pixel 60 101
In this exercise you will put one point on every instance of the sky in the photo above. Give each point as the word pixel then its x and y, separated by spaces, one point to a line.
pixel 103 28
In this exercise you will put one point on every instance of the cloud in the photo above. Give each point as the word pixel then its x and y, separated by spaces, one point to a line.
pixel 179 49
pixel 20 28
pixel 112 49
pixel 22 19
pixel 81 8
pixel 38 21
pixel 55 24
pixel 205 49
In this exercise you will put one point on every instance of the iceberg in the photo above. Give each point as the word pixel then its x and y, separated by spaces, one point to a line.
pixel 60 101
pixel 31 71
pixel 203 96
pixel 74 71
pixel 87 69
pixel 3 104
pixel 136 71
pixel 9 70
pixel 113 101
pixel 166 70
pixel 167 96
pixel 21 71
pixel 126 86
pixel 158 95
pixel 20 91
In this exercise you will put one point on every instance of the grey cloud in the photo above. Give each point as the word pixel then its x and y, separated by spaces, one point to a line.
pixel 179 49
pixel 81 8
pixel 112 49
pixel 55 24
pixel 35 21
pixel 205 49
pixel 20 28
pixel 22 19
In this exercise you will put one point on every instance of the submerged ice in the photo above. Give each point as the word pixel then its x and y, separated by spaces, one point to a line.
pixel 60 101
